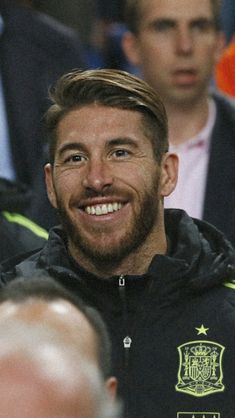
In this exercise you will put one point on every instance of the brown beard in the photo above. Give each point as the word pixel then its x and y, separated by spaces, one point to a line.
pixel 142 226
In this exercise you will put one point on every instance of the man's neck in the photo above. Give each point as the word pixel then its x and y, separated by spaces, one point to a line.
pixel 136 263
pixel 186 122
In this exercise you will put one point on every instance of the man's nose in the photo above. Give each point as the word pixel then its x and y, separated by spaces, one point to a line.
pixel 184 41
pixel 98 176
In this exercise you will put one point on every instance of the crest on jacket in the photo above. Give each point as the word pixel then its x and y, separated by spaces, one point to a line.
pixel 200 368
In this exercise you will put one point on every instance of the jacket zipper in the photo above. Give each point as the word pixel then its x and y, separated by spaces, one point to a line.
pixel 127 340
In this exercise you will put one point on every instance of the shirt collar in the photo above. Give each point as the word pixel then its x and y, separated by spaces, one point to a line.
pixel 1 25
pixel 202 139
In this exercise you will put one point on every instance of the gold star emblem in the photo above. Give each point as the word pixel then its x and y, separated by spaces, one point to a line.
pixel 202 330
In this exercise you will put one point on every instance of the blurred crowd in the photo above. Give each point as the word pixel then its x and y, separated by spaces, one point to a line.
pixel 190 63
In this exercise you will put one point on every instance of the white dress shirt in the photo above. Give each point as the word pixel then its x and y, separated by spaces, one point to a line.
pixel 193 164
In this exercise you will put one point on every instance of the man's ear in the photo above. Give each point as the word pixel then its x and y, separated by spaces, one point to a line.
pixel 169 174
pixel 111 386
pixel 48 171
pixel 131 48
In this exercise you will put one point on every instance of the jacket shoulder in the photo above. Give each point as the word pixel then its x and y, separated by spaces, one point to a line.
pixel 19 234
pixel 45 32
pixel 224 103
pixel 22 265
pixel 227 297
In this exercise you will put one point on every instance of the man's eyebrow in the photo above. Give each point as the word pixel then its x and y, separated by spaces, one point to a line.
pixel 78 146
pixel 122 141
pixel 71 146
pixel 203 19
pixel 159 21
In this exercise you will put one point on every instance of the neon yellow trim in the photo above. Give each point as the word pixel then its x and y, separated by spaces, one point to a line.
pixel 230 285
pixel 27 223
pixel 199 414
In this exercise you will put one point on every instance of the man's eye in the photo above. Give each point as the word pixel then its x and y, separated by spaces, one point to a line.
pixel 121 153
pixel 203 25
pixel 72 159
pixel 162 25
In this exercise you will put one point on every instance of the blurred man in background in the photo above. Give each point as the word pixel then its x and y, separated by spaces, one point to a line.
pixel 176 44
pixel 34 51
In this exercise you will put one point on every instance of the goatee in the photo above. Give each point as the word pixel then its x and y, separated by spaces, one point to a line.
pixel 136 234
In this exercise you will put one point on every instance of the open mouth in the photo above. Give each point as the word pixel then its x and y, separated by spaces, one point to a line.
pixel 103 209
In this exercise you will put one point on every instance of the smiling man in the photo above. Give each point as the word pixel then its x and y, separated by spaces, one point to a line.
pixel 114 208
pixel 176 44
pixel 159 278
pixel 104 178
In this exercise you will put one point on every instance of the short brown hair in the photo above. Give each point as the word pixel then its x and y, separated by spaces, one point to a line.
pixel 113 88
pixel 132 14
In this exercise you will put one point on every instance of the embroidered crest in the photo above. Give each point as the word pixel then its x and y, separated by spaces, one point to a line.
pixel 200 370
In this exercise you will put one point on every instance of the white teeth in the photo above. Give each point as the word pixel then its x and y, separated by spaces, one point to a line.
pixel 98 210
pixel 103 209
pixel 110 207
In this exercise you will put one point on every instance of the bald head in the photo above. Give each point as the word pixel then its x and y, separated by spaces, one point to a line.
pixel 42 377
pixel 42 299
pixel 59 315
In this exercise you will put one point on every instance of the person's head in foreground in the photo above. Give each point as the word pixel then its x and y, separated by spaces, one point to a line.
pixel 43 302
pixel 44 376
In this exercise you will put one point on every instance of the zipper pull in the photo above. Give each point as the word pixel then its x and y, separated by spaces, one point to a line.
pixel 121 281
pixel 127 342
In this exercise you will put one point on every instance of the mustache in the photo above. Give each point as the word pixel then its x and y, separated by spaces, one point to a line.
pixel 109 191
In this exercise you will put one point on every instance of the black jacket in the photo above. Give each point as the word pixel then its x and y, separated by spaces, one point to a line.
pixel 18 233
pixel 219 203
pixel 179 318
pixel 35 50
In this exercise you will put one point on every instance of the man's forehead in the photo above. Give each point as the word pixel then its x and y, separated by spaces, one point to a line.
pixel 84 125
pixel 177 9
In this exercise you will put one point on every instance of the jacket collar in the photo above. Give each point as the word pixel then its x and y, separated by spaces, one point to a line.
pixel 199 255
